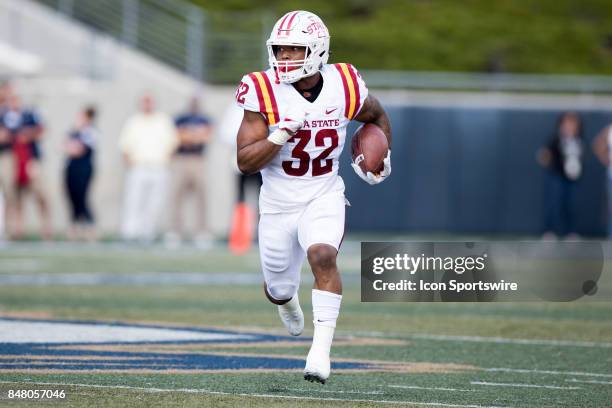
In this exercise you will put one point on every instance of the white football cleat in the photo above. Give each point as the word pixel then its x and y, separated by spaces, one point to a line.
pixel 292 316
pixel 318 366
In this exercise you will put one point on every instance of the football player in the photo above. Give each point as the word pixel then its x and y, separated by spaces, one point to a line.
pixel 293 131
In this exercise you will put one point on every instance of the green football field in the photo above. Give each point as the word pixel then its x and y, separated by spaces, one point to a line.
pixel 406 354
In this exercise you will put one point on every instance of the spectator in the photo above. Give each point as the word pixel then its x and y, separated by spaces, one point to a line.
pixel 562 157
pixel 244 217
pixel 7 181
pixel 147 142
pixel 602 146
pixel 188 172
pixel 80 147
pixel 26 130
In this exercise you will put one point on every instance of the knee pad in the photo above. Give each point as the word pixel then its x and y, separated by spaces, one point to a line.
pixel 275 261
pixel 282 290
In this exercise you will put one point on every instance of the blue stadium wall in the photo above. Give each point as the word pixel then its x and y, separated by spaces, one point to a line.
pixel 471 170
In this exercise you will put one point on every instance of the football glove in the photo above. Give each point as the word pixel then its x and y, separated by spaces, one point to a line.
pixel 293 121
pixel 288 127
pixel 370 177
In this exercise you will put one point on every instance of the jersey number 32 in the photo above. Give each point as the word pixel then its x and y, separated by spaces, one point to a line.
pixel 320 164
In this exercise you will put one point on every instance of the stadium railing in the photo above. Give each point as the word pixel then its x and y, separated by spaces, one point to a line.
pixel 219 47
pixel 208 46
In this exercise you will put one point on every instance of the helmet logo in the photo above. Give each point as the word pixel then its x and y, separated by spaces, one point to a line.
pixel 317 27
pixel 288 19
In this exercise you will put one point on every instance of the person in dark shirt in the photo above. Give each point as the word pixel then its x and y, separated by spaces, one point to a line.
pixel 26 129
pixel 563 158
pixel 188 172
pixel 80 148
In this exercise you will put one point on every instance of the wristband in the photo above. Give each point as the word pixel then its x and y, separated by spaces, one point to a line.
pixel 279 137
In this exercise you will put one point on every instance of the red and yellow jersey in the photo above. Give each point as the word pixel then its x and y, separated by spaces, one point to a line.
pixel 306 167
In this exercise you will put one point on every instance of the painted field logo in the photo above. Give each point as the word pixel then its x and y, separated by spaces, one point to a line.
pixel 83 346
pixel 78 346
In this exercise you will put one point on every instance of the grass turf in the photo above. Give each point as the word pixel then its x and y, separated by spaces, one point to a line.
pixel 572 368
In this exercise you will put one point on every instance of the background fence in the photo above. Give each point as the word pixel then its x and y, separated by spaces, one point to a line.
pixel 220 46
pixel 210 46
pixel 461 170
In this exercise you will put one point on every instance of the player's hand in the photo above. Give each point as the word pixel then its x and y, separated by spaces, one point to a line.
pixel 370 177
pixel 293 121
pixel 288 127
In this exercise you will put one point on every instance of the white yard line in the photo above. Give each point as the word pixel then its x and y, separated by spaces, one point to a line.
pixel 590 381
pixel 551 372
pixel 504 340
pixel 552 387
pixel 134 279
pixel 416 387
pixel 208 392
pixel 335 392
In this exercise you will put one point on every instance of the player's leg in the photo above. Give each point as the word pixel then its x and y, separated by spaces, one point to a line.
pixel 321 229
pixel 281 262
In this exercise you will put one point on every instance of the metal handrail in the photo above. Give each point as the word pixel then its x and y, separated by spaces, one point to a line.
pixel 178 33
pixel 206 46
pixel 488 81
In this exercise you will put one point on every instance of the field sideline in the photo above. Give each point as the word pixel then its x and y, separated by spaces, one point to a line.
pixel 395 354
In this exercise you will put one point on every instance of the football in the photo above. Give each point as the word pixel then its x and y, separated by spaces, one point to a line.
pixel 370 140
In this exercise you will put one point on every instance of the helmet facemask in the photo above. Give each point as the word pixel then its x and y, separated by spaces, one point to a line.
pixel 289 71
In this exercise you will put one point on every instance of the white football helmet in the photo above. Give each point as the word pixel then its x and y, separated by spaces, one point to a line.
pixel 302 29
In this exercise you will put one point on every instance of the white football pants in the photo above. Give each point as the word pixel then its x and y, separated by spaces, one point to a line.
pixel 284 239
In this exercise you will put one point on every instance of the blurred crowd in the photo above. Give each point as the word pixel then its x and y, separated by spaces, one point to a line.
pixel 21 130
pixel 164 158
pixel 165 161
pixel 563 158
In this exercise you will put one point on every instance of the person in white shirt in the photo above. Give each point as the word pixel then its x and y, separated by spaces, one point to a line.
pixel 147 141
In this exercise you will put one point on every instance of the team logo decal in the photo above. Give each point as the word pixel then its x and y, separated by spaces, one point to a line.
pixel 77 346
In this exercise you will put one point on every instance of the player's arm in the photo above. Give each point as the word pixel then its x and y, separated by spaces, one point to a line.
pixel 373 112
pixel 253 147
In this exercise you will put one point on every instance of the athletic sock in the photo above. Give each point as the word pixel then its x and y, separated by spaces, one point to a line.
pixel 325 310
